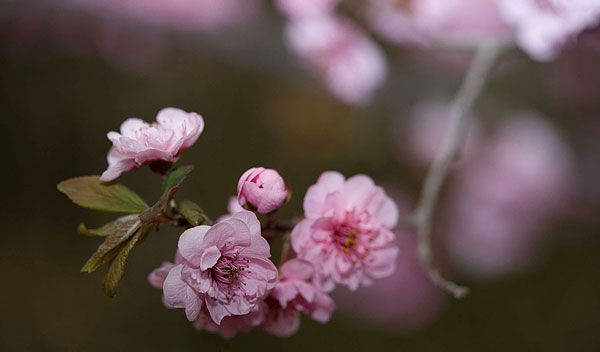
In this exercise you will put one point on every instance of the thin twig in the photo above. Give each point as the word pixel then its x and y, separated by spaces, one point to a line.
pixel 470 90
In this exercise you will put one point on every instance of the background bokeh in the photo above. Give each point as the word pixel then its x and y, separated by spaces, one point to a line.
pixel 68 77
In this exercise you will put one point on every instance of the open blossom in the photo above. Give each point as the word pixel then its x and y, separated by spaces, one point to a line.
pixel 230 325
pixel 346 233
pixel 262 189
pixel 349 63
pixel 225 268
pixel 542 27
pixel 157 144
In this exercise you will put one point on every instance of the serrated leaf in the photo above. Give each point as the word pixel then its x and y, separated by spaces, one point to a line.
pixel 176 177
pixel 119 234
pixel 89 192
pixel 117 267
pixel 108 228
pixel 192 213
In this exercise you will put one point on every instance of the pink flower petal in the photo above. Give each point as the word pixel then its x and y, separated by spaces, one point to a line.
pixel 191 243
pixel 250 219
pixel 209 258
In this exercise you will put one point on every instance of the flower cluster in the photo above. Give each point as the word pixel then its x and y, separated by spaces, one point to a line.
pixel 223 279
pixel 222 275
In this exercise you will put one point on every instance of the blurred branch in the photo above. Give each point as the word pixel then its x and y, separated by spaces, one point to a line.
pixel 466 97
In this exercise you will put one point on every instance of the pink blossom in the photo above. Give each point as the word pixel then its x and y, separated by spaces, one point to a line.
pixel 262 189
pixel 157 144
pixel 505 198
pixel 544 26
pixel 346 233
pixel 225 268
pixel 306 7
pixel 350 65
pixel 427 22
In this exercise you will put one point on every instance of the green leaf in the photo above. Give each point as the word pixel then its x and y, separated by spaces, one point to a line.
pixel 121 231
pixel 89 192
pixel 108 228
pixel 176 177
pixel 192 212
pixel 117 267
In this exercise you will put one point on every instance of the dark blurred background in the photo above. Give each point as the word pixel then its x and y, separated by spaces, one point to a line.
pixel 65 82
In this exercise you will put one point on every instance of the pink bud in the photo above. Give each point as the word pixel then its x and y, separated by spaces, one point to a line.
pixel 262 189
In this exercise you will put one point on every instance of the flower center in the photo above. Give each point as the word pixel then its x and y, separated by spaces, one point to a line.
pixel 228 269
pixel 353 235
pixel 345 237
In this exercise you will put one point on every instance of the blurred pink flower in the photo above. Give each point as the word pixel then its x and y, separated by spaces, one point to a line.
pixel 306 7
pixel 346 233
pixel 262 189
pixel 447 22
pixel 543 27
pixel 407 300
pixel 156 144
pixel 505 197
pixel 427 129
pixel 225 267
pixel 348 62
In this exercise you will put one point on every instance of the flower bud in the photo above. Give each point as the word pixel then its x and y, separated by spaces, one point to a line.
pixel 262 190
